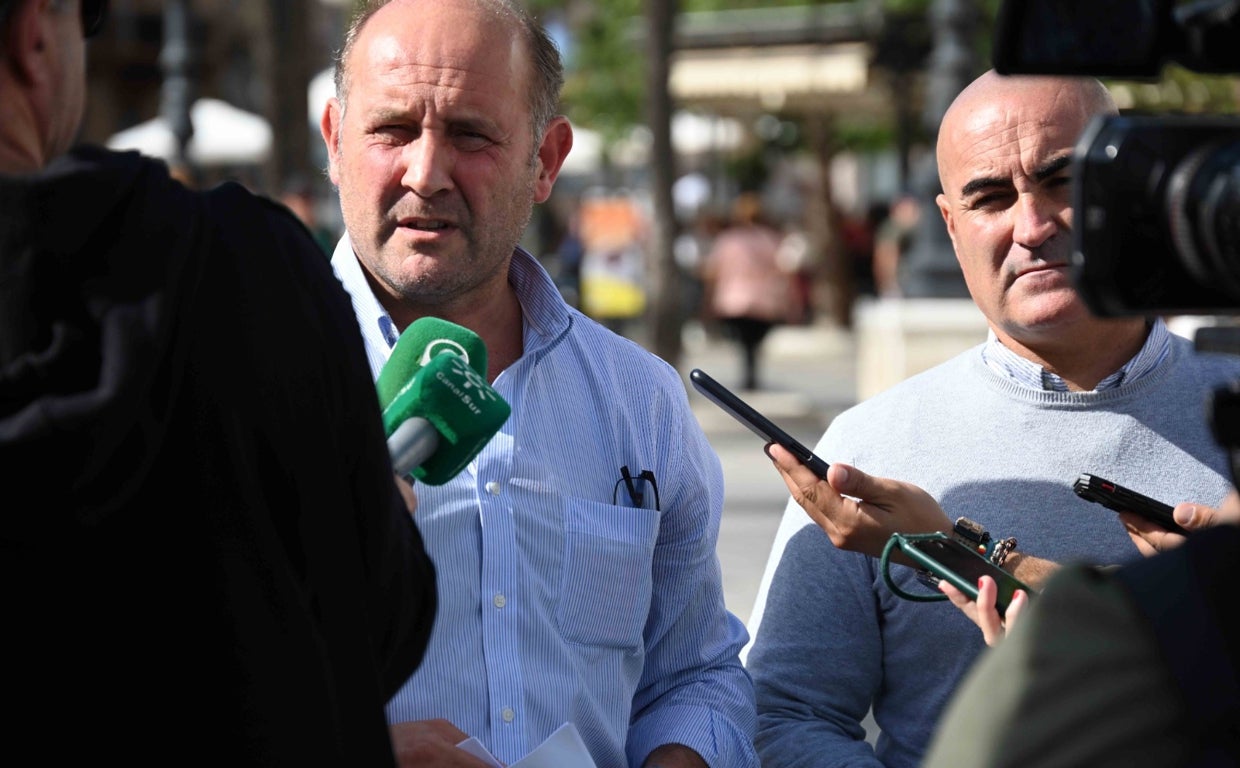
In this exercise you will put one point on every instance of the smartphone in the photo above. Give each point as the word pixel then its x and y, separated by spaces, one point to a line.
pixel 1117 497
pixel 946 558
pixel 759 424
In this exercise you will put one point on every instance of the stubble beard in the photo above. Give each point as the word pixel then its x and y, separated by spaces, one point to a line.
pixel 449 278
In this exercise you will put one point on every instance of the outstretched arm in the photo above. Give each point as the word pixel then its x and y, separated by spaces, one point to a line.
pixel 859 512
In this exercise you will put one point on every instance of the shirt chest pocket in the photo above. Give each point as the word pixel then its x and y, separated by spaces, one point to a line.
pixel 607 573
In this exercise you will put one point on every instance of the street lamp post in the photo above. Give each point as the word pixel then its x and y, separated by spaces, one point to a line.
pixel 930 269
pixel 177 91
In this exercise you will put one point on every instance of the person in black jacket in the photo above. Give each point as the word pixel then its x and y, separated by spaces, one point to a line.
pixel 204 555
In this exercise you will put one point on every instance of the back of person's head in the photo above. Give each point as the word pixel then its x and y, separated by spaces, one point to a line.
pixel 43 77
pixel 92 13
pixel 747 209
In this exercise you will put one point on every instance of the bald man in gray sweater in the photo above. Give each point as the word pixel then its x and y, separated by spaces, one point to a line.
pixel 996 435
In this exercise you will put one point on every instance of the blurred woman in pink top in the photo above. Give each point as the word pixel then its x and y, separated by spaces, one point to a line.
pixel 750 292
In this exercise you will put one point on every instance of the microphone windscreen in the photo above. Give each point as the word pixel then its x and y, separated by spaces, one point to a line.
pixel 459 403
pixel 425 338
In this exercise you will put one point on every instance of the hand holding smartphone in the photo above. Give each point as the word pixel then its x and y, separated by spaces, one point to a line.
pixel 945 558
pixel 757 423
pixel 1120 499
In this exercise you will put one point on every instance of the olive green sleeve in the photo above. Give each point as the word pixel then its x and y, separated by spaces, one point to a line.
pixel 1077 682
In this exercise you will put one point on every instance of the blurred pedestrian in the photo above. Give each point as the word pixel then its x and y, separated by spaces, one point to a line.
pixel 300 198
pixel 570 253
pixel 689 251
pixel 857 234
pixel 750 292
pixel 892 242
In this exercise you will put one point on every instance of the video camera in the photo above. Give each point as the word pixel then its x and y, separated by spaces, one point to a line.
pixel 1156 199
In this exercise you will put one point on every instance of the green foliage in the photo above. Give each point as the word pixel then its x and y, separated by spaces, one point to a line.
pixel 605 85
pixel 1179 91
pixel 863 136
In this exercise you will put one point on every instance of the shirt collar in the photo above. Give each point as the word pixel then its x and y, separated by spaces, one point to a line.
pixel 546 316
pixel 1027 373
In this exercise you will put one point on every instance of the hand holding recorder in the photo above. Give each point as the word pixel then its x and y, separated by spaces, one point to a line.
pixel 989 596
pixel 982 610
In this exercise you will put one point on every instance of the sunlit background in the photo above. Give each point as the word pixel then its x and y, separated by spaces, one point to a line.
pixel 824 109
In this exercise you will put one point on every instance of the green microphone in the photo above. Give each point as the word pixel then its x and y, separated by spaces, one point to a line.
pixel 425 338
pixel 442 418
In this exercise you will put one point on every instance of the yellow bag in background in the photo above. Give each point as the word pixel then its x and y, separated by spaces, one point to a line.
pixel 609 296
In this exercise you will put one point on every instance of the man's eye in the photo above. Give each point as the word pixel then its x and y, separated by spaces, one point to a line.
pixel 471 141
pixel 394 132
pixel 992 201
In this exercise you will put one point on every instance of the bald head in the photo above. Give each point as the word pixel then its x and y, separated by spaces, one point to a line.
pixel 1059 99
pixel 1005 161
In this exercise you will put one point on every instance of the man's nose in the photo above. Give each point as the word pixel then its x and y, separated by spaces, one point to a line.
pixel 1036 220
pixel 428 165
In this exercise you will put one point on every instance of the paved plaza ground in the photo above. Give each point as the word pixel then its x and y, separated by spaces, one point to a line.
pixel 808 375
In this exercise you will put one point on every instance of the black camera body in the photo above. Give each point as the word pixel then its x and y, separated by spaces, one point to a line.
pixel 1156 199
pixel 1157 216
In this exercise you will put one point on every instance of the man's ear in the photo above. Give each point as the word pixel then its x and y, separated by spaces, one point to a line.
pixel 945 209
pixel 556 143
pixel 329 127
pixel 26 39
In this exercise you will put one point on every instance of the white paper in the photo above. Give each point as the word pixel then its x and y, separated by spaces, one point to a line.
pixel 475 748
pixel 562 749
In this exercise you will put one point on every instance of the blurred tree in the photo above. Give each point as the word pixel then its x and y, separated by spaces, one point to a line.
pixel 902 44
pixel 665 314
pixel 289 72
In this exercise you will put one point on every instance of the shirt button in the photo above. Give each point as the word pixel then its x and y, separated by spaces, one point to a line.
pixel 499 600
pixel 508 715
pixel 493 488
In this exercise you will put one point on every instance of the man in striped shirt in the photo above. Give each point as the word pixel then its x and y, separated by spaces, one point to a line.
pixel 578 580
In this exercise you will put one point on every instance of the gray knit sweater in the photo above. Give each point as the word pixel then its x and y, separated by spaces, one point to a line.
pixel 831 639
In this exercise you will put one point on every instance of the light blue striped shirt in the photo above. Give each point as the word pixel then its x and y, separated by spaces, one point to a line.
pixel 1007 363
pixel 559 601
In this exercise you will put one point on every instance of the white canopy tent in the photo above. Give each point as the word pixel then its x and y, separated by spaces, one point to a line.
pixel 223 135
pixel 692 134
pixel 322 87
pixel 586 155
